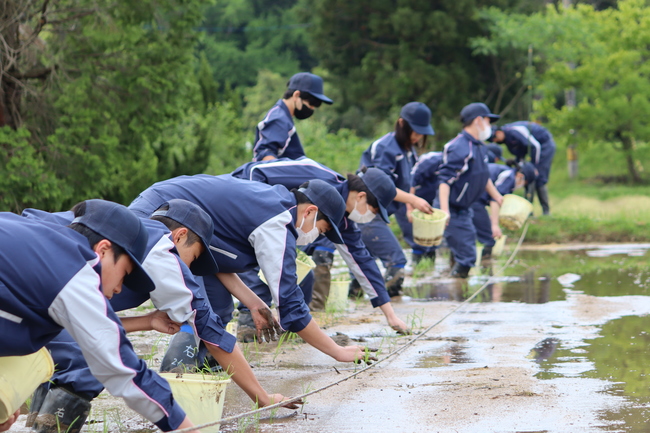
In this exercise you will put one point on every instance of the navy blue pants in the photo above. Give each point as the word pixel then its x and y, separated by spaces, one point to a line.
pixel 460 235
pixel 543 166
pixel 382 243
pixel 482 224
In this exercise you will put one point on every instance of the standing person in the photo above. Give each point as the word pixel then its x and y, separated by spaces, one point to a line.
pixel 54 278
pixel 462 178
pixel 506 180
pixel 260 225
pixel 179 236
pixel 528 138
pixel 275 135
pixel 366 195
pixel 395 154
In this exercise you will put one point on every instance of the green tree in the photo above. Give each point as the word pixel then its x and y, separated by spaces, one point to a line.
pixel 603 56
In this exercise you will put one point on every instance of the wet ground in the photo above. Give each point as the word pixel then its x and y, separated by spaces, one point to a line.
pixel 560 344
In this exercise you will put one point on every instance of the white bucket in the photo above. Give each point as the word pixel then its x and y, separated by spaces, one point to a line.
pixel 500 243
pixel 337 300
pixel 303 266
pixel 514 211
pixel 479 253
pixel 19 377
pixel 200 396
pixel 428 229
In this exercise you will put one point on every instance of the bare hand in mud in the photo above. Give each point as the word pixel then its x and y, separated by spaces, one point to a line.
pixel 356 354
pixel 12 419
pixel 398 325
pixel 161 322
pixel 276 398
pixel 268 328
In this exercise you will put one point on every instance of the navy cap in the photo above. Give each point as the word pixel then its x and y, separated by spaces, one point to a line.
pixel 476 109
pixel 382 187
pixel 329 202
pixel 120 226
pixel 529 171
pixel 310 83
pixel 418 116
pixel 192 217
pixel 494 152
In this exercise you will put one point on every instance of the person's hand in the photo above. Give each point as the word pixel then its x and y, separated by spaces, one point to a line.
pixel 421 204
pixel 12 419
pixel 409 214
pixel 496 231
pixel 277 398
pixel 161 322
pixel 268 328
pixel 356 354
pixel 499 200
pixel 399 326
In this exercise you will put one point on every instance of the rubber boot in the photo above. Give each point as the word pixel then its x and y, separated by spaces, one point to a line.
pixel 529 193
pixel 393 278
pixel 542 194
pixel 322 279
pixel 37 401
pixel 487 253
pixel 460 271
pixel 181 355
pixel 246 331
pixel 62 411
pixel 355 291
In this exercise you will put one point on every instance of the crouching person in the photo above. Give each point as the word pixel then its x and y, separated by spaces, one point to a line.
pixel 56 278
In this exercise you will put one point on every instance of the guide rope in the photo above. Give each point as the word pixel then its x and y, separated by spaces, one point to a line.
pixel 374 364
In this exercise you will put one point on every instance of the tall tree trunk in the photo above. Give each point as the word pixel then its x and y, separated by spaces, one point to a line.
pixel 628 148
pixel 10 91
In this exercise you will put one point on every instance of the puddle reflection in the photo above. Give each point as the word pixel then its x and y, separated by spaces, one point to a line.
pixel 451 354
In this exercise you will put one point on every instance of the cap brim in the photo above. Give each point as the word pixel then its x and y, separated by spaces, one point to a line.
pixel 205 263
pixel 334 234
pixel 322 97
pixel 493 117
pixel 424 130
pixel 138 280
pixel 383 214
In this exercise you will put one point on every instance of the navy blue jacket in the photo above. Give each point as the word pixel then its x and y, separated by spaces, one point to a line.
pixel 49 281
pixel 424 176
pixel 386 154
pixel 276 135
pixel 176 291
pixel 253 226
pixel 523 137
pixel 465 169
pixel 503 178
pixel 292 174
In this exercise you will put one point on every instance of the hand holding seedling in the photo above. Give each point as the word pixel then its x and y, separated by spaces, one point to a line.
pixel 268 328
pixel 357 354
pixel 161 322
pixel 277 398
pixel 12 419
pixel 398 325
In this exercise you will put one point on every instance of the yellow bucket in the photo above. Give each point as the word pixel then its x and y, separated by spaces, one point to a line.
pixel 19 377
pixel 428 229
pixel 514 211
pixel 303 266
pixel 338 298
pixel 200 396
pixel 497 249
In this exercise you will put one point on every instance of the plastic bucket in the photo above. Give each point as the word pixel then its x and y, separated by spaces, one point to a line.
pixel 200 396
pixel 514 211
pixel 497 249
pixel 479 254
pixel 428 229
pixel 19 377
pixel 303 266
pixel 338 297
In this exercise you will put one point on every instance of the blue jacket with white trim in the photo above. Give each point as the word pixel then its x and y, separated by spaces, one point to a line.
pixel 292 174
pixel 465 169
pixel 424 176
pixel 253 226
pixel 503 178
pixel 176 291
pixel 276 135
pixel 524 137
pixel 49 281
pixel 387 155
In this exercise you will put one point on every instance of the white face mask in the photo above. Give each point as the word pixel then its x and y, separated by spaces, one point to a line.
pixel 309 237
pixel 485 133
pixel 359 217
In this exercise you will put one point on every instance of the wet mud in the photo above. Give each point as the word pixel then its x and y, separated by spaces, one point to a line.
pixel 530 354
